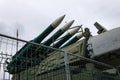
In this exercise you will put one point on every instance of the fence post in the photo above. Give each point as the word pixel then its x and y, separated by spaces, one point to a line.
pixel 67 68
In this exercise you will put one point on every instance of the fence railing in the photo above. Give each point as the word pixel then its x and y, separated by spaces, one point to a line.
pixel 25 60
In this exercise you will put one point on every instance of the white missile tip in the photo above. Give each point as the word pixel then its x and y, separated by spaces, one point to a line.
pixel 67 25
pixel 72 21
pixel 57 21
pixel 75 30
pixel 64 15
pixel 79 35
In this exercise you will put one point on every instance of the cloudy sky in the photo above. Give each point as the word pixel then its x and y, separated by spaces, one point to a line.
pixel 31 17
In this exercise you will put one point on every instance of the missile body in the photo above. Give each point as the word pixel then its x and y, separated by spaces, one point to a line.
pixel 66 37
pixel 26 49
pixel 73 40
pixel 58 33
pixel 49 29
pixel 100 28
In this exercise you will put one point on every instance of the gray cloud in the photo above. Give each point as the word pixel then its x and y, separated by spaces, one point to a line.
pixel 36 15
pixel 4 28
pixel 11 29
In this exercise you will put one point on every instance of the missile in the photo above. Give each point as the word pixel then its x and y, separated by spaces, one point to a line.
pixel 73 40
pixel 48 30
pixel 58 33
pixel 66 37
pixel 100 28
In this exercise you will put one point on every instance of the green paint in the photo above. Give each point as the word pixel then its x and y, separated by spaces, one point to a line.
pixel 54 37
pixel 43 34
pixel 73 40
pixel 60 42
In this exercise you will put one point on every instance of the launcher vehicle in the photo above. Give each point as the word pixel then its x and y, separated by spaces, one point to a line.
pixel 36 62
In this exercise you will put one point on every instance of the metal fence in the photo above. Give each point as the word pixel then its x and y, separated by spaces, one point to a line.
pixel 25 60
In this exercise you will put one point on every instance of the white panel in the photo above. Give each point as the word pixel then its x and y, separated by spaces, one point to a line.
pixel 105 42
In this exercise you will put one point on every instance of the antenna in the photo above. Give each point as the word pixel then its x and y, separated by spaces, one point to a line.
pixel 17 41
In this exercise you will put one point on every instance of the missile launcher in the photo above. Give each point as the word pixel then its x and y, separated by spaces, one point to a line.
pixel 92 57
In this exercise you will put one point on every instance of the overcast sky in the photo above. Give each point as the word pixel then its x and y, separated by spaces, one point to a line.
pixel 31 17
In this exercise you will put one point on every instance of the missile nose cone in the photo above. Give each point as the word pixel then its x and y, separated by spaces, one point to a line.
pixel 79 35
pixel 67 25
pixel 74 30
pixel 57 21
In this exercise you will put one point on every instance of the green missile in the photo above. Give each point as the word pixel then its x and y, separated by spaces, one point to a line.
pixel 58 33
pixel 66 37
pixel 100 28
pixel 73 40
pixel 48 30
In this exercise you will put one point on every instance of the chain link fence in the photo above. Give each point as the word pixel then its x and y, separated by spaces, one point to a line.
pixel 25 60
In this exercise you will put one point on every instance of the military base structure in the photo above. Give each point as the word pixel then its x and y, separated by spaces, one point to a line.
pixel 75 55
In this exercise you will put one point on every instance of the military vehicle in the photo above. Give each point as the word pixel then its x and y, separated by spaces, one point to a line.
pixel 82 57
